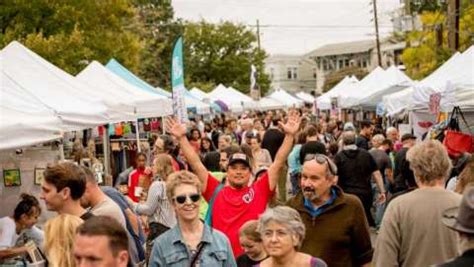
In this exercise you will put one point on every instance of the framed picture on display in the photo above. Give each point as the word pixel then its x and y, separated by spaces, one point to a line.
pixel 39 175
pixel 12 177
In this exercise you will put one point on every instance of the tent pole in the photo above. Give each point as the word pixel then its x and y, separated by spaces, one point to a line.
pixel 61 149
pixel 163 125
pixel 138 136
pixel 106 149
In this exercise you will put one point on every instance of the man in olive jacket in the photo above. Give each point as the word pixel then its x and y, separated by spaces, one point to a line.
pixel 336 227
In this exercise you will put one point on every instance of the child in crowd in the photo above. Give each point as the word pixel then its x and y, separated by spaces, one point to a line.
pixel 251 243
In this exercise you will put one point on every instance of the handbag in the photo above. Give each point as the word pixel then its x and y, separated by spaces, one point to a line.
pixel 455 141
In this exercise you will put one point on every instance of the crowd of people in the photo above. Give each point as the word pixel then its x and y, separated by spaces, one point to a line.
pixel 263 189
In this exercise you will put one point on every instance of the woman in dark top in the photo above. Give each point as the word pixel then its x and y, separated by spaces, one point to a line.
pixel 206 147
pixel 251 242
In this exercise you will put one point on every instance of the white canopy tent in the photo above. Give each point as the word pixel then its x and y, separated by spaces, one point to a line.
pixel 454 81
pixel 397 102
pixel 285 98
pixel 198 93
pixel 223 94
pixel 268 103
pixel 24 121
pixel 128 102
pixel 247 101
pixel 324 101
pixel 354 91
pixel 54 88
pixel 392 80
pixel 190 100
pixel 307 98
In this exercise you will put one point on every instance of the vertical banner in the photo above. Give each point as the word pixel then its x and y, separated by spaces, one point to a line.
pixel 177 82
pixel 254 88
pixel 435 100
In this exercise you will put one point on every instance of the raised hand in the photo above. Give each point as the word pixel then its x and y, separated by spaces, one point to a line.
pixel 175 128
pixel 292 125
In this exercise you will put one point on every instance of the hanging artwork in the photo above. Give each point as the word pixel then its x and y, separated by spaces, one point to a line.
pixel 39 175
pixel 12 177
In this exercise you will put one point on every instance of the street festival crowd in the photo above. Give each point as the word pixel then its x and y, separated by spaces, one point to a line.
pixel 269 188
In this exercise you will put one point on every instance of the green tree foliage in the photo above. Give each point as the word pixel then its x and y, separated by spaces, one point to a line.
pixel 222 53
pixel 158 29
pixel 335 77
pixel 71 33
pixel 429 47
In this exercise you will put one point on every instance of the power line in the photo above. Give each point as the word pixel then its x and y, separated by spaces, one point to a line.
pixel 315 26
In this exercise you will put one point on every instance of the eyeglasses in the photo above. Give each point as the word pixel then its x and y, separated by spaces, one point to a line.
pixel 321 159
pixel 181 199
pixel 280 234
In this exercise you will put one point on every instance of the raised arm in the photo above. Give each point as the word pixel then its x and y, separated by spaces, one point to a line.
pixel 179 131
pixel 290 128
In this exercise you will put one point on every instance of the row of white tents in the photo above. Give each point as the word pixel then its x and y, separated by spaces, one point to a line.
pixel 39 102
pixel 396 92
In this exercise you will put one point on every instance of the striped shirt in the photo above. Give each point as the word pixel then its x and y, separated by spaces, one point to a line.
pixel 157 207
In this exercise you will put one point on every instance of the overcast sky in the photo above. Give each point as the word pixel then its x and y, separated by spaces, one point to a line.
pixel 295 26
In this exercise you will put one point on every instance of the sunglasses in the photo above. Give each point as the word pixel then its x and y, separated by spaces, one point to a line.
pixel 181 199
pixel 321 159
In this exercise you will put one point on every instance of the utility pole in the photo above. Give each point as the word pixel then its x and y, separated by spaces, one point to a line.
pixel 453 24
pixel 258 34
pixel 377 40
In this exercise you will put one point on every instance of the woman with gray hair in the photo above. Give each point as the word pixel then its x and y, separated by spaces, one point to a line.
pixel 283 232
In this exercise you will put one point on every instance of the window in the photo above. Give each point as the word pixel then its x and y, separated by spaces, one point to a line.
pixel 292 73
pixel 364 64
pixel 325 65
pixel 340 64
pixel 314 73
pixel 346 62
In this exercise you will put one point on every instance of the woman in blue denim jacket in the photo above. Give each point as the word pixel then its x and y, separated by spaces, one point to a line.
pixel 190 242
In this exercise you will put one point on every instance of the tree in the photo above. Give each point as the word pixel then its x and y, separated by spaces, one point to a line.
pixel 159 30
pixel 71 33
pixel 222 53
pixel 335 77
pixel 429 47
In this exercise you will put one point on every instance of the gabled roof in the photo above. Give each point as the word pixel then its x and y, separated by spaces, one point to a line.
pixel 343 48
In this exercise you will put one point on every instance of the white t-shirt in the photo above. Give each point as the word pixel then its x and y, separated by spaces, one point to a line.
pixel 8 234
pixel 109 208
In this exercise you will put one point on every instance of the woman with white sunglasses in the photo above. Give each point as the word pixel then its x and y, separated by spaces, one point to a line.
pixel 190 242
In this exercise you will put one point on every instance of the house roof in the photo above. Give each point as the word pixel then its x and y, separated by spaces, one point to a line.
pixel 343 48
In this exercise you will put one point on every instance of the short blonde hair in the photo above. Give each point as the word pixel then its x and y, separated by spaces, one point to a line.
pixel 59 235
pixel 429 161
pixel 179 178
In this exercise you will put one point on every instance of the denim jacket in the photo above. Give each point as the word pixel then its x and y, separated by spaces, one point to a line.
pixel 170 250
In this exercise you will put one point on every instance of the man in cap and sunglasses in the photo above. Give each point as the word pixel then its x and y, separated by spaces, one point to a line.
pixel 236 203
pixel 336 227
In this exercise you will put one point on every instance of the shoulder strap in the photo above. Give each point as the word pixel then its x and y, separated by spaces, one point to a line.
pixel 208 219
pixel 463 119
pixel 196 256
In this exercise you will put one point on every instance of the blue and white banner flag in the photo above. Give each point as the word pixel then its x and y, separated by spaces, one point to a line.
pixel 177 82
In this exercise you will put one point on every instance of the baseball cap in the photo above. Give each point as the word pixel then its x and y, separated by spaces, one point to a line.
pixel 239 157
pixel 408 136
